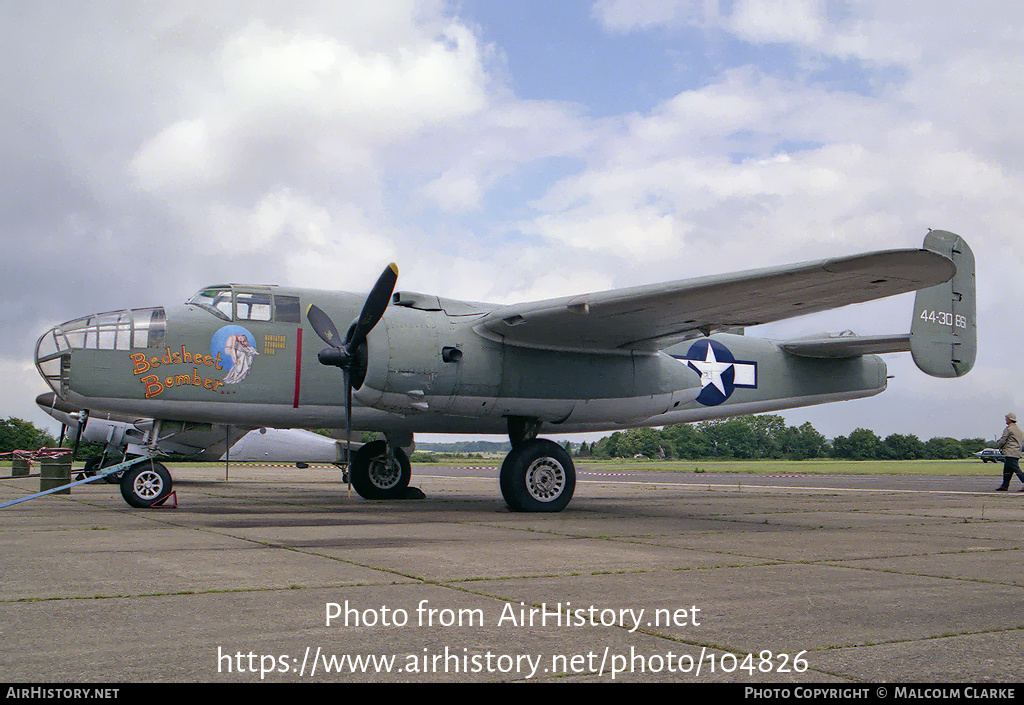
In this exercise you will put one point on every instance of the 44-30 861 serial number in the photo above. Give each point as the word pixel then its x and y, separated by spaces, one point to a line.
pixel 944 318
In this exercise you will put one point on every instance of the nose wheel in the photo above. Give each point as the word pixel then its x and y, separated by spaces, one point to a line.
pixel 145 484
pixel 94 465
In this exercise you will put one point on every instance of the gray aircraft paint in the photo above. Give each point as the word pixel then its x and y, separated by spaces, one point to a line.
pixel 943 333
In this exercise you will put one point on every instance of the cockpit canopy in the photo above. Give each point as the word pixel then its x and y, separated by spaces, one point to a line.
pixel 233 303
pixel 215 299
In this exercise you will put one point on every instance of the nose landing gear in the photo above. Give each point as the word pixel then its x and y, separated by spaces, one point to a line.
pixel 146 484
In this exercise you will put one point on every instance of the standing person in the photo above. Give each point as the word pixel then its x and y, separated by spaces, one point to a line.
pixel 1010 444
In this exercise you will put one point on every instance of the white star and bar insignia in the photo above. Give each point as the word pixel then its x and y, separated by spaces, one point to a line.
pixel 719 371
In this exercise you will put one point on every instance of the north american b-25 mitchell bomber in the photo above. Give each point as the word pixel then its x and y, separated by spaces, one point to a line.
pixel 242 357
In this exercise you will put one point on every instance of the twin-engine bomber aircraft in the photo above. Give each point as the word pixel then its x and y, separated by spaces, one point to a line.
pixel 241 356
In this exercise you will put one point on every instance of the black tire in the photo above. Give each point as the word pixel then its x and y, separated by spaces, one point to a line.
pixel 537 476
pixel 374 477
pixel 97 463
pixel 145 484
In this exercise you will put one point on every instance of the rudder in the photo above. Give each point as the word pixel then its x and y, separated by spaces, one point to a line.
pixel 944 333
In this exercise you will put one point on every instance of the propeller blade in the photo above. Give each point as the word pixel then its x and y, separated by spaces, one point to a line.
pixel 324 326
pixel 376 303
pixel 348 426
pixel 342 353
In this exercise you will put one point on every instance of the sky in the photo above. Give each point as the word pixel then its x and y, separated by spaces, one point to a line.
pixel 511 151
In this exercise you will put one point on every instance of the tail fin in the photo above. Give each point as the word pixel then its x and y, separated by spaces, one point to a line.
pixel 944 333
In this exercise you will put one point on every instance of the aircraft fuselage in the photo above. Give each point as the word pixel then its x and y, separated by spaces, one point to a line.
pixel 427 370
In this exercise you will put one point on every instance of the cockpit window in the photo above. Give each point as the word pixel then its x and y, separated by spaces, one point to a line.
pixel 216 300
pixel 232 303
pixel 117 330
pixel 252 306
pixel 287 308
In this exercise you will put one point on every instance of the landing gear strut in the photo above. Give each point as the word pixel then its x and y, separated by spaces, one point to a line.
pixel 538 475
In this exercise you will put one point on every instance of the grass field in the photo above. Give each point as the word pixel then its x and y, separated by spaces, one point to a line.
pixel 822 466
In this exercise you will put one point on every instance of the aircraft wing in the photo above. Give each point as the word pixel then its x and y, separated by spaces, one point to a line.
pixel 652 317
pixel 199 441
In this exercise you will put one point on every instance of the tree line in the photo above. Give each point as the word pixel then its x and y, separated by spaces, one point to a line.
pixel 16 434
pixel 767 437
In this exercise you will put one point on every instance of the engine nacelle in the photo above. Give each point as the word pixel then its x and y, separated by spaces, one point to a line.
pixel 422 362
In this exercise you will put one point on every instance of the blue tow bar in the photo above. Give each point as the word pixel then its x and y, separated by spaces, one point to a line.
pixel 120 467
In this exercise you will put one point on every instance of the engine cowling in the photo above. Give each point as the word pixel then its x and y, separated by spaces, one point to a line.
pixel 405 368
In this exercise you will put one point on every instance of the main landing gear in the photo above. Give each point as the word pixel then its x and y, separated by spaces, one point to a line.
pixel 538 475
pixel 379 472
pixel 96 464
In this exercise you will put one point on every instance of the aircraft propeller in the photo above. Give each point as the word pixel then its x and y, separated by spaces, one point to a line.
pixel 350 354
pixel 83 418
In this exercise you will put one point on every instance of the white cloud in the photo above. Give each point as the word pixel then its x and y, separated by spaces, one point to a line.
pixel 640 233
pixel 287 145
pixel 280 219
pixel 797 21
pixel 455 191
pixel 287 77
pixel 628 15
pixel 506 139
pixel 180 157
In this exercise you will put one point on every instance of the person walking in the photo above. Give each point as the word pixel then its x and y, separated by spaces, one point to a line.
pixel 1010 444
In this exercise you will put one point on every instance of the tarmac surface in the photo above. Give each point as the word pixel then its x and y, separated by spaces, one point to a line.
pixel 277 575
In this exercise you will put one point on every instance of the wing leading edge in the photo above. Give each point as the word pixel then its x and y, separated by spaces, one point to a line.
pixel 652 317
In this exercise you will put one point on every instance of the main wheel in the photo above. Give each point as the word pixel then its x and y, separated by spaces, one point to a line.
pixel 375 476
pixel 97 463
pixel 145 484
pixel 537 476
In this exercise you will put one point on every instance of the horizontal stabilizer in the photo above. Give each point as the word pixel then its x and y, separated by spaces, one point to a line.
pixel 944 333
pixel 847 345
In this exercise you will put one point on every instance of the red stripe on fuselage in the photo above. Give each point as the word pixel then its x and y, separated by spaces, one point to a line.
pixel 298 367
